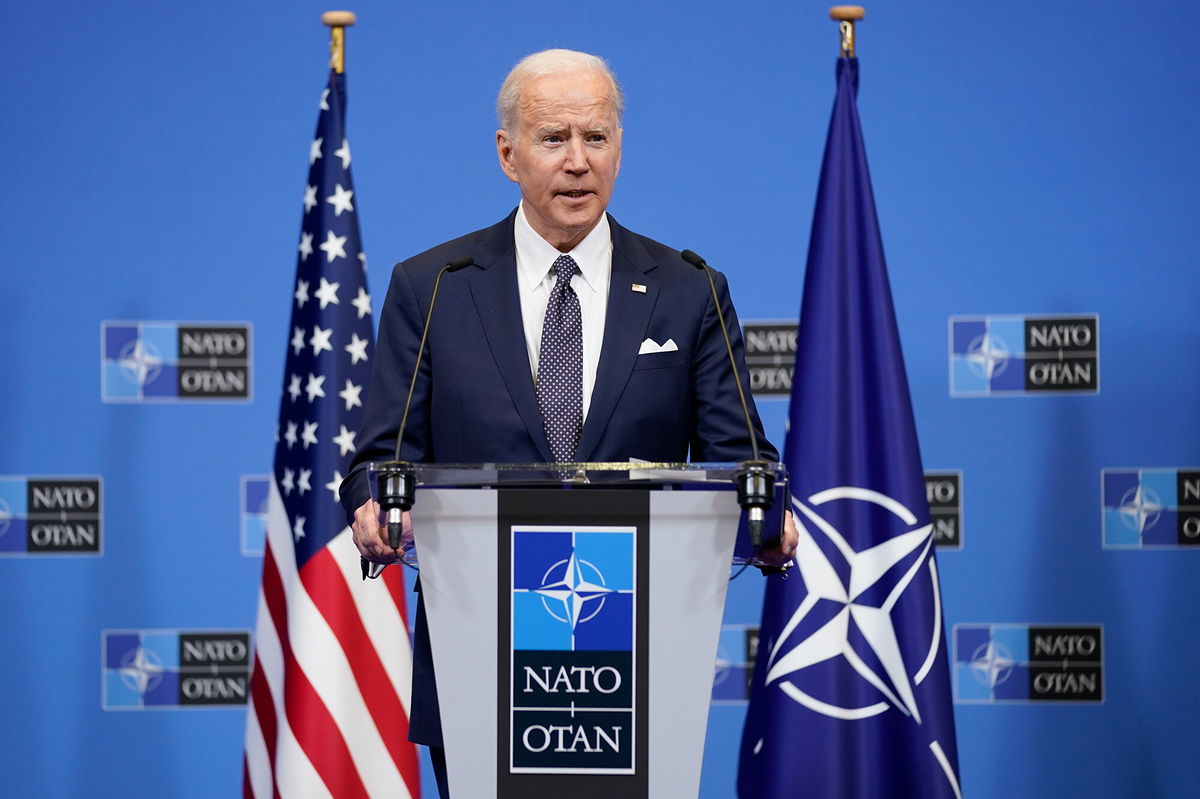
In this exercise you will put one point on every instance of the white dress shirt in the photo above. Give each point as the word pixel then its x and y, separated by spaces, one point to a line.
pixel 535 279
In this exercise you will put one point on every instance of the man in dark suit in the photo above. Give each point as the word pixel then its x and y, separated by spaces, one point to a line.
pixel 568 339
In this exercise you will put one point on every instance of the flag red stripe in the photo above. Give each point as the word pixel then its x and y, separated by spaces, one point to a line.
pixel 264 710
pixel 393 577
pixel 322 578
pixel 308 717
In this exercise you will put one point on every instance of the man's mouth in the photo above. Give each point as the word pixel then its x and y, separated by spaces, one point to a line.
pixel 575 193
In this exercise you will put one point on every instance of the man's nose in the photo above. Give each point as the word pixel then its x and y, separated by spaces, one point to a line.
pixel 575 160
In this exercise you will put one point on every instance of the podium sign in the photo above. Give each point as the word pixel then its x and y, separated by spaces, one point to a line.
pixel 574 625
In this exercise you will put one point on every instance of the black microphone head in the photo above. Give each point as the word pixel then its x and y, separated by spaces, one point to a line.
pixel 693 259
pixel 461 262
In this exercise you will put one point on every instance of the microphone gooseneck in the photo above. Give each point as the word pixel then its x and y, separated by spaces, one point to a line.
pixel 755 481
pixel 461 262
pixel 398 479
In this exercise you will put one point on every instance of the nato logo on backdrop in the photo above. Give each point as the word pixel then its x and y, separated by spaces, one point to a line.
pixel 174 361
pixel 1006 355
pixel 1150 508
pixel 50 516
pixel 573 650
pixel 943 490
pixel 1002 663
pixel 736 650
pixel 770 357
pixel 157 669
pixel 254 489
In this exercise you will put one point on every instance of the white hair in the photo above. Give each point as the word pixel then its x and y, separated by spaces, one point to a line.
pixel 551 62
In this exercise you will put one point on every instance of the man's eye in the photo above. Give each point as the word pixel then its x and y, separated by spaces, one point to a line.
pixel 553 139
pixel 598 138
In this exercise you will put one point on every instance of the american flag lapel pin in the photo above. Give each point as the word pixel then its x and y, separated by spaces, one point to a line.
pixel 639 288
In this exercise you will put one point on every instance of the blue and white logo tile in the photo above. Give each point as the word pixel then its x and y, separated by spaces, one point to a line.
pixel 1006 663
pixel 141 669
pixel 13 515
pixel 1151 508
pixel 991 664
pixel 737 648
pixel 163 669
pixel 254 490
pixel 139 361
pixel 164 361
pixel 573 590
pixel 1007 355
pixel 50 515
pixel 573 650
pixel 985 355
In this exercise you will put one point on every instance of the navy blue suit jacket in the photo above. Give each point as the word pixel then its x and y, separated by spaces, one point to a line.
pixel 474 400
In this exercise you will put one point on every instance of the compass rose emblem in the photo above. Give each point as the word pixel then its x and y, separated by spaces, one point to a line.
pixel 140 361
pixel 141 670
pixel 988 355
pixel 573 591
pixel 846 618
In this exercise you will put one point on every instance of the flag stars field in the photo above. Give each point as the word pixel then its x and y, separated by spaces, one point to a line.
pixel 357 348
pixel 351 395
pixel 309 435
pixel 327 293
pixel 335 485
pixel 362 302
pixel 306 248
pixel 320 340
pixel 345 440
pixel 333 247
pixel 340 200
pixel 315 387
pixel 343 153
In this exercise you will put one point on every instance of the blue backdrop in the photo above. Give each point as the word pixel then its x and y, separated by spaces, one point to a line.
pixel 1023 164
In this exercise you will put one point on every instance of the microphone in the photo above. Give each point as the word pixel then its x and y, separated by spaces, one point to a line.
pixel 398 478
pixel 755 481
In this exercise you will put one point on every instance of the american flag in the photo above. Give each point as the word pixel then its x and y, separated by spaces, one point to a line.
pixel 328 711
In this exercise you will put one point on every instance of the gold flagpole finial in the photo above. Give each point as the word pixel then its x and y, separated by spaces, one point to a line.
pixel 338 21
pixel 846 16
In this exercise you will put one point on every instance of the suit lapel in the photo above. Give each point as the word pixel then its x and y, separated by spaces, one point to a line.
pixel 495 292
pixel 625 323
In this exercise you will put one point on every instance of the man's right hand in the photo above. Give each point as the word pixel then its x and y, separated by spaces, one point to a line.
pixel 370 538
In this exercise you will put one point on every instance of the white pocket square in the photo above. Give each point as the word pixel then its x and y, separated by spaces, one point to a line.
pixel 650 345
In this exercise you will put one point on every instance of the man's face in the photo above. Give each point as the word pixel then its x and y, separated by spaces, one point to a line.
pixel 565 154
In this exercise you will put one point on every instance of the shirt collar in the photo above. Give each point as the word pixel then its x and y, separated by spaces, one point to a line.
pixel 536 256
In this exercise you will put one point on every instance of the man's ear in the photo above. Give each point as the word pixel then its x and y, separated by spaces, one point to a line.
pixel 504 152
pixel 620 142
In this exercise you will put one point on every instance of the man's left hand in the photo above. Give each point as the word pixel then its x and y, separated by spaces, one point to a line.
pixel 775 558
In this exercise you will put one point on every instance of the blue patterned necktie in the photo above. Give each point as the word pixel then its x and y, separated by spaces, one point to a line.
pixel 560 365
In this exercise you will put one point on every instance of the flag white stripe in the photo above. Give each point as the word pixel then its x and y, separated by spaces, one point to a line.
pixel 320 656
pixel 385 627
pixel 294 773
pixel 257 748
pixel 258 759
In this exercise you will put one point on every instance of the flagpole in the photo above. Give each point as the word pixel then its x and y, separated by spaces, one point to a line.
pixel 338 21
pixel 846 16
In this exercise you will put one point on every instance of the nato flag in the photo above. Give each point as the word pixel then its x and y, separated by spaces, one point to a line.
pixel 851 694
